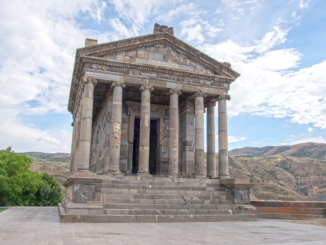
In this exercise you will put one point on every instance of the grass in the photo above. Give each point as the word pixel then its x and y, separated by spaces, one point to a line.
pixel 2 209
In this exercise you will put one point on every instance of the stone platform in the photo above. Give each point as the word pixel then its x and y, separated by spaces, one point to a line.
pixel 139 199
pixel 41 225
pixel 291 210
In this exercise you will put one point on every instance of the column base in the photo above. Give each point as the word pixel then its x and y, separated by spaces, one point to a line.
pixel 224 177
pixel 114 173
pixel 84 173
pixel 145 174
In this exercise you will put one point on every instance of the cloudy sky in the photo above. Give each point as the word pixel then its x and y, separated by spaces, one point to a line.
pixel 277 46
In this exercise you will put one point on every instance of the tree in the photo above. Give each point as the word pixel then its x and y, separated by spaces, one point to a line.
pixel 50 193
pixel 21 187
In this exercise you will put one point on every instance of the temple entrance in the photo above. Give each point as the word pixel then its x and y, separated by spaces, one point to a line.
pixel 153 149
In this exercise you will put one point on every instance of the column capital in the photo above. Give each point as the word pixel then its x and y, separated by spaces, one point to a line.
pixel 200 94
pixel 223 97
pixel 174 91
pixel 118 84
pixel 210 103
pixel 87 79
pixel 146 87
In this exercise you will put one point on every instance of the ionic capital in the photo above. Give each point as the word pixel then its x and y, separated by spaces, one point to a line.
pixel 223 97
pixel 147 87
pixel 200 94
pixel 118 84
pixel 174 91
pixel 87 79
pixel 210 103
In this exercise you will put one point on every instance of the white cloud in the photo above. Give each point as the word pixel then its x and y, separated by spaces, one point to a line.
pixel 38 45
pixel 271 39
pixel 269 85
pixel 319 139
pixel 233 139
pixel 187 9
pixel 192 30
pixel 310 129
pixel 304 4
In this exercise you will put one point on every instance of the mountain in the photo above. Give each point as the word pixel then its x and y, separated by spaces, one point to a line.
pixel 296 172
pixel 55 164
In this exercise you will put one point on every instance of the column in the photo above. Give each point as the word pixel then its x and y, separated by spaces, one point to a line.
pixel 131 139
pixel 86 124
pixel 115 133
pixel 73 142
pixel 211 161
pixel 174 131
pixel 199 134
pixel 223 137
pixel 145 113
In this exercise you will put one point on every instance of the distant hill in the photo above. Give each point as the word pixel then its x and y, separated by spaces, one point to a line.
pixel 56 164
pixel 295 172
pixel 312 150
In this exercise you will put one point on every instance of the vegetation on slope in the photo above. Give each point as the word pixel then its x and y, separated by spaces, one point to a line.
pixel 21 187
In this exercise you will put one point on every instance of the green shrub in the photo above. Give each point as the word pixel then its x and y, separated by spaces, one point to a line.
pixel 21 187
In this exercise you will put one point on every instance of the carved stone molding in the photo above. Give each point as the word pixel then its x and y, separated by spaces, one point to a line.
pixel 118 83
pixel 224 97
pixel 210 103
pixel 200 94
pixel 89 80
pixel 174 91
pixel 162 28
pixel 147 87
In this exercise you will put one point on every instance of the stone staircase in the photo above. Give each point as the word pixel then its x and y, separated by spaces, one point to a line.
pixel 146 199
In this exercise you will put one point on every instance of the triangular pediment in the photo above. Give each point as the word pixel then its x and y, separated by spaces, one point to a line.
pixel 161 50
pixel 162 56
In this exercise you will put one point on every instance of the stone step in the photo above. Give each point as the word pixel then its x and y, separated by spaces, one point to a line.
pixel 226 204
pixel 148 201
pixel 166 196
pixel 161 187
pixel 151 183
pixel 284 210
pixel 166 218
pixel 163 192
pixel 289 216
pixel 174 211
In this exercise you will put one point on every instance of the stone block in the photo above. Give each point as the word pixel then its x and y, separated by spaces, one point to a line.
pixel 83 193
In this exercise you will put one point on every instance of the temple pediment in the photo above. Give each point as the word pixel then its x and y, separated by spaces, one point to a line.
pixel 160 49
pixel 160 56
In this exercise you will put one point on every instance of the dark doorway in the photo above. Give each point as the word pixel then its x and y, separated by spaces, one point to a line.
pixel 152 147
pixel 135 155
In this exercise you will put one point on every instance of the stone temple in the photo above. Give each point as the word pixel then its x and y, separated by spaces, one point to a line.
pixel 138 145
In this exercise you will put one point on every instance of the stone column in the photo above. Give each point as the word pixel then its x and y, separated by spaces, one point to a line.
pixel 131 139
pixel 211 161
pixel 199 134
pixel 174 132
pixel 73 142
pixel 115 134
pixel 223 137
pixel 86 124
pixel 145 113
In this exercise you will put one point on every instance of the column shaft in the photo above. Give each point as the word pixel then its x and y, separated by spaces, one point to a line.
pixel 223 137
pixel 174 132
pixel 211 161
pixel 115 134
pixel 86 125
pixel 145 113
pixel 199 134
pixel 131 141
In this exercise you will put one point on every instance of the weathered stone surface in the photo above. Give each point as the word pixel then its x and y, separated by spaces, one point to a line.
pixel 84 193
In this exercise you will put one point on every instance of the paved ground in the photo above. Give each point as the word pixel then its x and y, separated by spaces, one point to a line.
pixel 32 225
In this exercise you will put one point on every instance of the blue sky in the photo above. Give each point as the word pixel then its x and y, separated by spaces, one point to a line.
pixel 277 46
